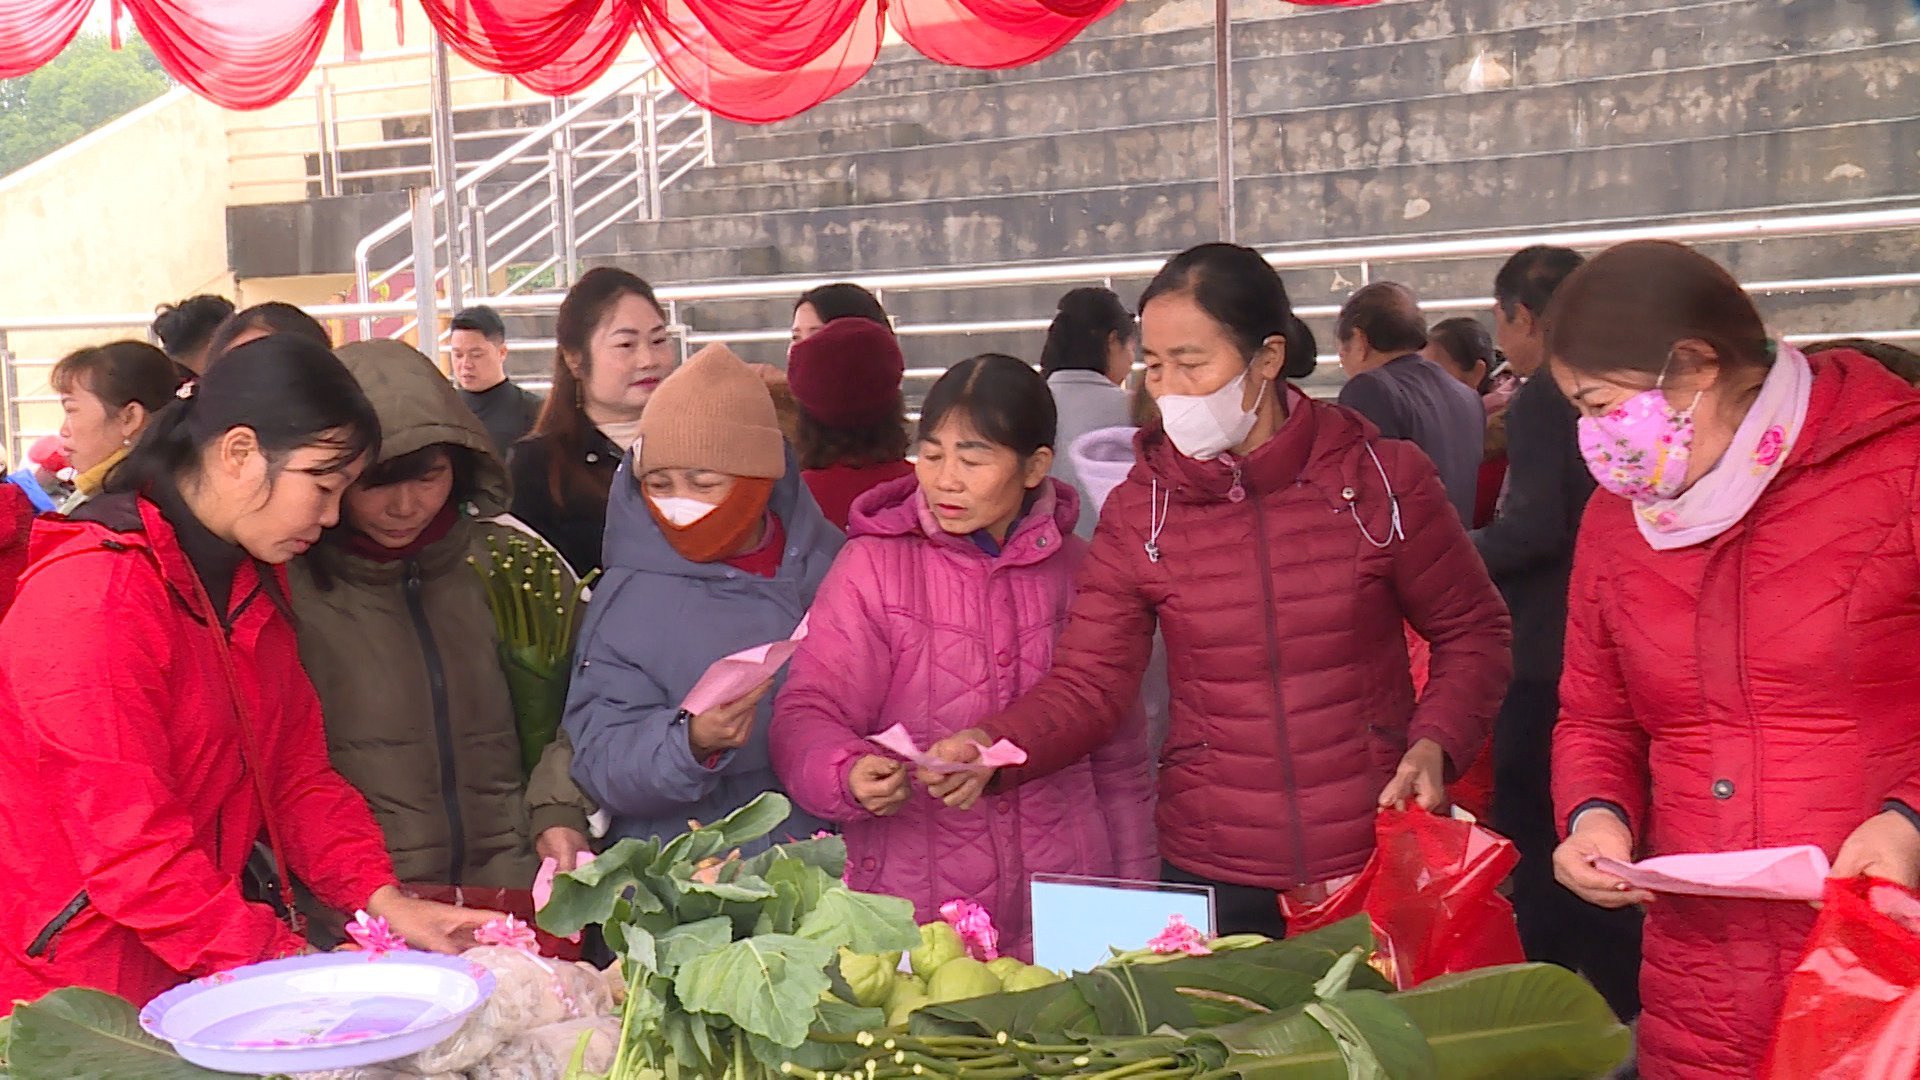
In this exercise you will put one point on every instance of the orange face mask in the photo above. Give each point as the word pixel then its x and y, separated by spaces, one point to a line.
pixel 720 534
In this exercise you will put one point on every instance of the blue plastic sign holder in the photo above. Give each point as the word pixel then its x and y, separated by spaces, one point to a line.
pixel 1079 921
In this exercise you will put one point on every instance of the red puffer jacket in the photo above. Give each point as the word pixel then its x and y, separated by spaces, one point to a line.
pixel 1756 690
pixel 1282 612
pixel 126 807
pixel 16 524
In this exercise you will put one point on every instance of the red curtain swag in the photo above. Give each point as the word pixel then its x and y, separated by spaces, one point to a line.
pixel 749 60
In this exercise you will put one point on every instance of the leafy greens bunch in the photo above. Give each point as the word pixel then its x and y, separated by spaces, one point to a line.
pixel 728 961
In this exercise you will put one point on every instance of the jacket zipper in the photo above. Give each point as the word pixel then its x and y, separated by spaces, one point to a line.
pixel 1265 572
pixel 442 725
pixel 42 944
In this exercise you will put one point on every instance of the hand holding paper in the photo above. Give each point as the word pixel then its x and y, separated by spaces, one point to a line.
pixel 1788 873
pixel 731 678
pixel 896 740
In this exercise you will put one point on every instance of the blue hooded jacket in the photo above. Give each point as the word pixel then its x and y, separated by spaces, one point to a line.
pixel 655 622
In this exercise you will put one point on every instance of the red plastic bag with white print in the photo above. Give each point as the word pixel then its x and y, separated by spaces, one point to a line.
pixel 1431 890
pixel 1853 1005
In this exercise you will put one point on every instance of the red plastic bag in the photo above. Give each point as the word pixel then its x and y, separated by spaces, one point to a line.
pixel 515 902
pixel 1430 889
pixel 1853 1004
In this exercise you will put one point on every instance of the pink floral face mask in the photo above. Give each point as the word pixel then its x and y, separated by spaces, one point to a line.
pixel 1640 450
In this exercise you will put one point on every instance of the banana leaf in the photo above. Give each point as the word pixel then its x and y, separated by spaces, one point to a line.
pixel 1186 993
pixel 539 694
pixel 1535 1021
pixel 76 1032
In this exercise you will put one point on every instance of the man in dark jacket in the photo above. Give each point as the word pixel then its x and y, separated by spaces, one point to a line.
pixel 1407 396
pixel 1528 548
pixel 477 349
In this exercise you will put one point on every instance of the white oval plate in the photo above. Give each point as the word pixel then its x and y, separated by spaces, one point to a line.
pixel 309 1013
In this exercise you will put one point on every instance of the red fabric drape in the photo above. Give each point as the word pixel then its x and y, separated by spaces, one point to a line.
pixel 33 32
pixel 994 33
pixel 243 54
pixel 749 60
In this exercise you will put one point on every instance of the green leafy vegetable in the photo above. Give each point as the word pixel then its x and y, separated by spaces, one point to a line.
pixel 769 985
pixel 863 922
pixel 535 601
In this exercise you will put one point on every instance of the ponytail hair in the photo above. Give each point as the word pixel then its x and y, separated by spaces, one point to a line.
pixel 1303 352
pixel 1087 320
pixel 289 391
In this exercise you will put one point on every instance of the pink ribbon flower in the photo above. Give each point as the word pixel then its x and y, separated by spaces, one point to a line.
pixel 1180 936
pixel 509 932
pixel 374 936
pixel 975 928
pixel 1772 442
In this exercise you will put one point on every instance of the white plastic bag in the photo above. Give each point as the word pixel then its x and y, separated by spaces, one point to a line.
pixel 545 1053
pixel 529 993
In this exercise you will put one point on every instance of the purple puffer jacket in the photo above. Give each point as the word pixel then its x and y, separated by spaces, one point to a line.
pixel 916 627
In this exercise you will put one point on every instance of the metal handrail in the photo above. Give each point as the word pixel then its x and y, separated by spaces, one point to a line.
pixel 557 167
pixel 363 251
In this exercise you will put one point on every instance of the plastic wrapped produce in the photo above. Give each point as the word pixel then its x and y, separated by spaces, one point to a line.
pixel 529 993
pixel 373 1073
pixel 545 1053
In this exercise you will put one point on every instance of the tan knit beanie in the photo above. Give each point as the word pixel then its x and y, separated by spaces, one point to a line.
pixel 714 413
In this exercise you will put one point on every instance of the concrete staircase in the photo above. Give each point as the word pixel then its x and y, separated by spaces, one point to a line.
pixel 1352 124
pixel 1403 120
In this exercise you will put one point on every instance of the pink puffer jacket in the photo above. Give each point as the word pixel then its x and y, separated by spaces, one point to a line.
pixel 920 628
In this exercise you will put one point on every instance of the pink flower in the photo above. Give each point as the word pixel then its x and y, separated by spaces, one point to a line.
pixel 374 936
pixel 1180 936
pixel 975 928
pixel 510 932
pixel 1772 443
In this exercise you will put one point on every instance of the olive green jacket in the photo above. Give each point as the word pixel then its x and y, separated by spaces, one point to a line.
pixel 406 660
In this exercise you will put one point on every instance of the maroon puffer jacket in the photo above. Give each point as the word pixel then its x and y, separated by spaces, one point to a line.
pixel 1756 690
pixel 16 524
pixel 1282 613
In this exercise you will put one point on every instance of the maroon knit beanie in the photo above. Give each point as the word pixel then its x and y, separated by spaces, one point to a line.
pixel 848 374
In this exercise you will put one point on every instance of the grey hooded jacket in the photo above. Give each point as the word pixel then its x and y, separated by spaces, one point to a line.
pixel 655 622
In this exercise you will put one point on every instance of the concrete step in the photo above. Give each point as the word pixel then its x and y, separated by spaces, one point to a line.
pixel 1143 33
pixel 1745 171
pixel 1172 79
pixel 1655 107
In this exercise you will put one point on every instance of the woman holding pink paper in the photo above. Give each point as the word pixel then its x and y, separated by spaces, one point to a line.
pixel 943 608
pixel 713 547
pixel 1740 644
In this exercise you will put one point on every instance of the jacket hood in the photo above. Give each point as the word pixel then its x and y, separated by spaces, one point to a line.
pixel 1854 400
pixel 634 541
pixel 418 408
pixel 896 508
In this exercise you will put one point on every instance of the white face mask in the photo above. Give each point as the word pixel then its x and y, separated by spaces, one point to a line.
pixel 681 512
pixel 1205 427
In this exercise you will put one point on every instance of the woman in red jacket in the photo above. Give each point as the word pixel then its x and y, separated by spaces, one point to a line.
pixel 1280 545
pixel 1740 642
pixel 172 722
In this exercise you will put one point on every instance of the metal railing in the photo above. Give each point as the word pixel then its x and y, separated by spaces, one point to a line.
pixel 330 143
pixel 24 380
pixel 599 160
